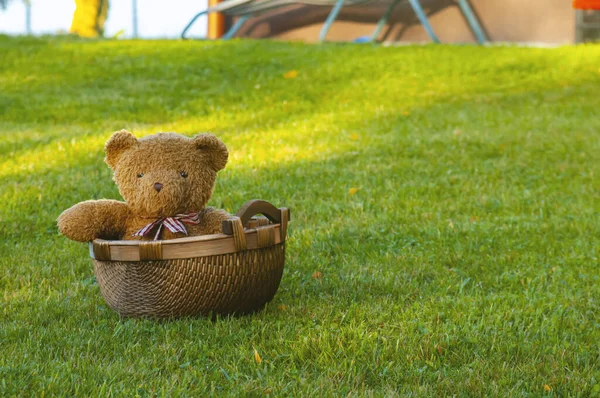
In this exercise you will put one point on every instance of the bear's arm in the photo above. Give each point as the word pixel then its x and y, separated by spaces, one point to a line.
pixel 212 220
pixel 86 221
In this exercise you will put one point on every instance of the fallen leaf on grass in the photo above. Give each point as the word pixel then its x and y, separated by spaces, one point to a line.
pixel 291 74
pixel 317 275
pixel 282 307
pixel 547 388
pixel 352 191
pixel 257 357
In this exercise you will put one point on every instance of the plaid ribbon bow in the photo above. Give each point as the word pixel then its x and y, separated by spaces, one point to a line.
pixel 174 224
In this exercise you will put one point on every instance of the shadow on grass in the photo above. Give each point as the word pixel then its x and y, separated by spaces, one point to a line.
pixel 239 85
pixel 389 240
pixel 33 183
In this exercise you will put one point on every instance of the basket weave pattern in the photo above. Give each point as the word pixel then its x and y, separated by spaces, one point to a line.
pixel 224 284
pixel 235 272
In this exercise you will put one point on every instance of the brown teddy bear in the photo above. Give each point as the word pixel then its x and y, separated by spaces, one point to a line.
pixel 166 180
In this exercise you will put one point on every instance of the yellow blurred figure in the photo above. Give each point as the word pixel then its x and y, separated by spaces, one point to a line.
pixel 89 18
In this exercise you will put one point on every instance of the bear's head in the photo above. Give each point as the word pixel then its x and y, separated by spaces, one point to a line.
pixel 165 174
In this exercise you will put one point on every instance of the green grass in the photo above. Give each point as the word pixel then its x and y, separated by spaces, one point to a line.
pixel 465 264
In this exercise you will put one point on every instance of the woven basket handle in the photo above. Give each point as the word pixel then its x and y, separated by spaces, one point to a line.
pixel 235 225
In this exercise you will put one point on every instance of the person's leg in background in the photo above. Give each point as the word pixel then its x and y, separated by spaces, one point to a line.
pixel 89 18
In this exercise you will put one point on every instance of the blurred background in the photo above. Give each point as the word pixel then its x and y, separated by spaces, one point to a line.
pixel 541 22
pixel 155 19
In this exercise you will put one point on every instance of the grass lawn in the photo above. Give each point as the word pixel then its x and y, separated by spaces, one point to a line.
pixel 449 197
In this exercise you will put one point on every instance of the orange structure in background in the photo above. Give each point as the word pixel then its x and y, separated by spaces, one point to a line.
pixel 216 22
pixel 586 4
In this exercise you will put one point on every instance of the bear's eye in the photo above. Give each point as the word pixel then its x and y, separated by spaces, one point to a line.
pixel 140 175
pixel 183 174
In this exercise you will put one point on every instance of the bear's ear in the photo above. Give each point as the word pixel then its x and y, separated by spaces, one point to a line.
pixel 117 145
pixel 214 150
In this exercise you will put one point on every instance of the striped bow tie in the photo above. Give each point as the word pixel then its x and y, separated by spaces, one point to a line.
pixel 174 224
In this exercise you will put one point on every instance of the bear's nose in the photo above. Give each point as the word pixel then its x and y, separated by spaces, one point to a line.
pixel 157 186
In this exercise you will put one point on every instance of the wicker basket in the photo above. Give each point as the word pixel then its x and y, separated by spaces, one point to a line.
pixel 235 272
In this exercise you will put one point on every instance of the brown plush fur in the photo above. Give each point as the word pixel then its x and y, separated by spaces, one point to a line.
pixel 186 168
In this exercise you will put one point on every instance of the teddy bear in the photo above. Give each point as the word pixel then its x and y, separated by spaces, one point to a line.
pixel 166 180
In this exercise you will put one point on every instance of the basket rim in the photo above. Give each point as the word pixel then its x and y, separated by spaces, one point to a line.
pixel 180 248
pixel 240 232
pixel 186 239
